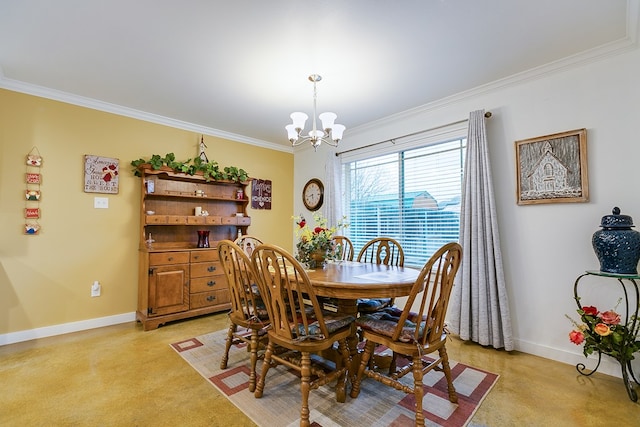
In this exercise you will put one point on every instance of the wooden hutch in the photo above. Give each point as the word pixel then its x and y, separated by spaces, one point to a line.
pixel 177 279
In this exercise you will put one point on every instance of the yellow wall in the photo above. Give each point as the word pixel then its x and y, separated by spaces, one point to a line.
pixel 45 280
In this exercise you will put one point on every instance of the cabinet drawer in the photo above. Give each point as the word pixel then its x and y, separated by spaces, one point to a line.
pixel 205 299
pixel 213 220
pixel 196 220
pixel 206 284
pixel 244 220
pixel 204 269
pixel 229 220
pixel 164 258
pixel 176 219
pixel 202 256
pixel 155 219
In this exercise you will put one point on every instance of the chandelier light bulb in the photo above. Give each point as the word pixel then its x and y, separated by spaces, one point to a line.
pixel 327 120
pixel 299 119
pixel 336 132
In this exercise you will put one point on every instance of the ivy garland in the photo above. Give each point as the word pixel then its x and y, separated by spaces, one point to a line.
pixel 210 170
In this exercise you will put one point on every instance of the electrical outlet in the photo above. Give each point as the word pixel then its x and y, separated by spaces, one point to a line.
pixel 101 203
pixel 95 289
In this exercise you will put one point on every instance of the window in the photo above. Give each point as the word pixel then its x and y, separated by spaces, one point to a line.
pixel 412 196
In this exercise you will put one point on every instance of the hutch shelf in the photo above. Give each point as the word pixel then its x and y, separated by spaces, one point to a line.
pixel 179 275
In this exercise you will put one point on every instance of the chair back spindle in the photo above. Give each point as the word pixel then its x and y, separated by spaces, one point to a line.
pixel 382 250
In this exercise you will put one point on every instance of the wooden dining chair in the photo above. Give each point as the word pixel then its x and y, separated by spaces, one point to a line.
pixel 413 335
pixel 247 308
pixel 380 250
pixel 344 246
pixel 302 329
pixel 248 243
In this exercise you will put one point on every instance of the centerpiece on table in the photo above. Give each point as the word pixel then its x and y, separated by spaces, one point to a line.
pixel 316 245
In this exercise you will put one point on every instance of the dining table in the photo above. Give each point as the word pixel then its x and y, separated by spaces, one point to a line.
pixel 348 281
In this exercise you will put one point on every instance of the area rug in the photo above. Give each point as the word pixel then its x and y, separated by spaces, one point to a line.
pixel 377 405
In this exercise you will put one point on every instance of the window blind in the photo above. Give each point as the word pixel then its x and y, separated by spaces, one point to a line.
pixel 412 195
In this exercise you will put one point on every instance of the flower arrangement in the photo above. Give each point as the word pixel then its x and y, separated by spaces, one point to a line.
pixel 316 245
pixel 603 332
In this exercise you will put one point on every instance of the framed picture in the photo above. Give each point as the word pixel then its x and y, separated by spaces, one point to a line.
pixel 552 168
pixel 100 175
pixel 261 193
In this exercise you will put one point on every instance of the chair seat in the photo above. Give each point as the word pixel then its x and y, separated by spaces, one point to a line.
pixel 385 322
pixel 334 324
pixel 371 305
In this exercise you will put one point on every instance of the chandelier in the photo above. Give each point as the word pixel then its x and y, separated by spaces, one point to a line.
pixel 331 133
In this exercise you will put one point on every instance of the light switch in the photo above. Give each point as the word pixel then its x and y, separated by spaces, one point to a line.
pixel 101 203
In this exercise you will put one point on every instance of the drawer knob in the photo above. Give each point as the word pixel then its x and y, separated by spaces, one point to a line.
pixel 211 268
pixel 211 283
pixel 197 256
pixel 170 258
pixel 211 298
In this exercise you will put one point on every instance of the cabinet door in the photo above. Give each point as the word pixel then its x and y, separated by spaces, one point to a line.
pixel 168 289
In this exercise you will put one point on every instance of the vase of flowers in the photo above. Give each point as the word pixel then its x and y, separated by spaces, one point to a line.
pixel 315 245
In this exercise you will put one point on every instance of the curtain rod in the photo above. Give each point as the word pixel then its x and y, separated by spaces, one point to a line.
pixel 393 140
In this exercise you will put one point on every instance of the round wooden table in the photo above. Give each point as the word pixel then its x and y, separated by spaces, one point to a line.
pixel 347 281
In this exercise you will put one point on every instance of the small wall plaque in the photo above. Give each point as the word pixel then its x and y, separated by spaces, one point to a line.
pixel 31 229
pixel 261 194
pixel 32 213
pixel 32 195
pixel 32 178
pixel 100 174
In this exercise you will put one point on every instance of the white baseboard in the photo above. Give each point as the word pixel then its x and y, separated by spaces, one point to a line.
pixel 607 366
pixel 65 328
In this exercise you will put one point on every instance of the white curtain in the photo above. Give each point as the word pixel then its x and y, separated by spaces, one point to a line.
pixel 333 190
pixel 479 308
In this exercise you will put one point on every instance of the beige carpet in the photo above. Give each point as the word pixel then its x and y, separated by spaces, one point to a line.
pixel 377 405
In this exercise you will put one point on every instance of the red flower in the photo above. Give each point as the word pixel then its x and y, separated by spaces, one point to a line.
pixel 576 337
pixel 318 230
pixel 590 310
pixel 302 223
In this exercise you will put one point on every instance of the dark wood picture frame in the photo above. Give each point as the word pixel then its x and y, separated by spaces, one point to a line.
pixel 552 168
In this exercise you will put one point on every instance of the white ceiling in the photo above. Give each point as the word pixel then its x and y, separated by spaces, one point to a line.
pixel 241 66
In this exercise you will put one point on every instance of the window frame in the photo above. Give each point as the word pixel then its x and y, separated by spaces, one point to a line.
pixel 427 139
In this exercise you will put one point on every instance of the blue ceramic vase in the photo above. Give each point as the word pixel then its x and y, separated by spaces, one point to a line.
pixel 617 246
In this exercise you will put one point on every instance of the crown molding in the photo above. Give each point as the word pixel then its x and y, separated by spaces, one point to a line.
pixel 56 95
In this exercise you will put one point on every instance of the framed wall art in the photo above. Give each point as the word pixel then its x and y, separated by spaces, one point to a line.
pixel 100 174
pixel 552 168
pixel 261 194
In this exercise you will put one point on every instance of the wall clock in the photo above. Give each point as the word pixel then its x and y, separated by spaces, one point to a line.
pixel 313 194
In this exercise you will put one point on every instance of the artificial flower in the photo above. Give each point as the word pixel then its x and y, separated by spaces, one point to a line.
pixel 603 333
pixel 576 337
pixel 602 329
pixel 318 240
pixel 610 317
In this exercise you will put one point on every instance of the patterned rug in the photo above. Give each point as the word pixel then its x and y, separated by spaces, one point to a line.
pixel 377 405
